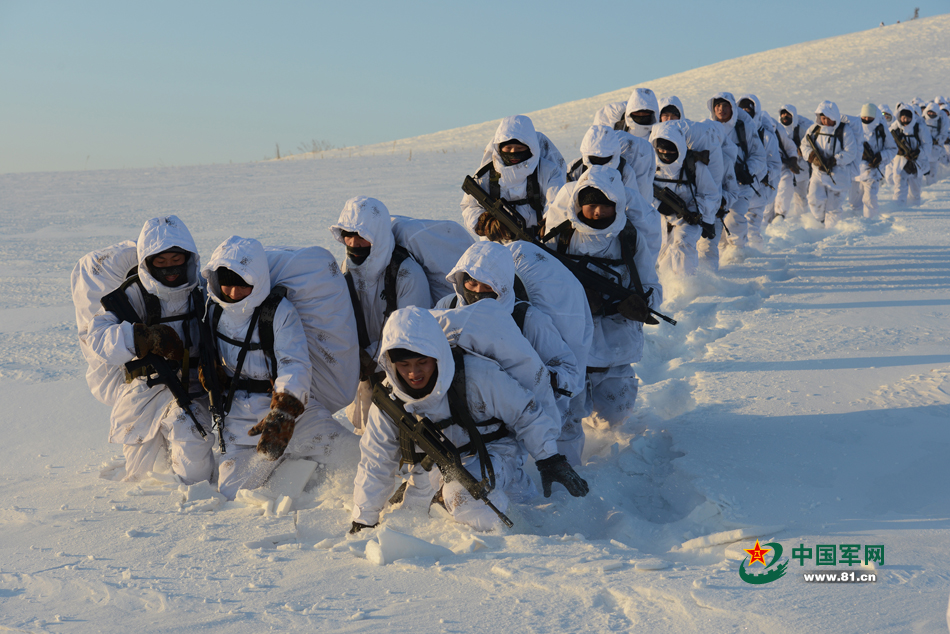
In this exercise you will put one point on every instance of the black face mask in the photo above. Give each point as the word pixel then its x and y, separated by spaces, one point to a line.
pixel 666 151
pixel 786 119
pixel 643 119
pixel 161 274
pixel 512 158
pixel 867 120
pixel 599 223
pixel 471 297
pixel 599 160
pixel 358 255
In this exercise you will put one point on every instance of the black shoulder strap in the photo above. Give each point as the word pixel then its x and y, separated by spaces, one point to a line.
pixel 494 187
pixel 879 132
pixel 389 279
pixel 628 249
pixel 153 306
pixel 458 405
pixel 242 355
pixel 362 334
pixel 797 135
pixel 519 313
pixel 740 136
pixel 533 189
pixel 576 165
pixel 521 293
pixel 268 309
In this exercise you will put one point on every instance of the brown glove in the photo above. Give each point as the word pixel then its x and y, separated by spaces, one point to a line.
pixel 224 381
pixel 158 339
pixel 277 428
pixel 489 227
pixel 635 308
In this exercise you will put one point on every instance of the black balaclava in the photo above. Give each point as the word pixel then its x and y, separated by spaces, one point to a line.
pixel 785 117
pixel 748 105
pixel 905 111
pixel 599 160
pixel 667 151
pixel 162 273
pixel 671 109
pixel 403 354
pixel 227 277
pixel 593 196
pixel 357 255
pixel 511 158
pixel 471 297
pixel 643 119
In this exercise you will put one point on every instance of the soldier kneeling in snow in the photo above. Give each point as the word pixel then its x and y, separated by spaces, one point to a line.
pixel 267 385
pixel 146 417
pixel 435 382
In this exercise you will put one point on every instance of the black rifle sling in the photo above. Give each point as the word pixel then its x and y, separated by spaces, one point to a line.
pixel 533 189
pixel 389 279
pixel 521 293
pixel 740 136
pixel 628 249
pixel 268 310
pixel 245 346
pixel 458 405
pixel 362 335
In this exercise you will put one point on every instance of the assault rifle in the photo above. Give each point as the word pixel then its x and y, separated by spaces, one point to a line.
pixel 671 199
pixel 436 446
pixel 817 154
pixel 904 150
pixel 509 218
pixel 869 155
pixel 117 303
pixel 209 367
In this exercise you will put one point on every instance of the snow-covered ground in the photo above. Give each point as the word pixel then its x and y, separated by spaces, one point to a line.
pixel 803 399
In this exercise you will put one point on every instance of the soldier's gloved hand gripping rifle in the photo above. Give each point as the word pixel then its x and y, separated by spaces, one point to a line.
pixel 514 223
pixel 436 446
pixel 822 165
pixel 117 303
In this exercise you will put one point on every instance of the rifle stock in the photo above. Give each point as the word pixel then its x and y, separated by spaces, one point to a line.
pixel 436 447
pixel 500 210
pixel 668 197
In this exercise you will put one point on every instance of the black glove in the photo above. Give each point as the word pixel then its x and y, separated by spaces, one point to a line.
pixel 556 469
pixel 743 175
pixel 723 210
pixel 709 231
pixel 666 210
pixel 876 160
pixel 635 308
pixel 357 527
pixel 792 164
pixel 831 162
pixel 595 300
pixel 910 167
pixel 693 217
pixel 277 428
pixel 158 339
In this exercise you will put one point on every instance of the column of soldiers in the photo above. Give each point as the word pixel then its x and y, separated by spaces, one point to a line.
pixel 530 330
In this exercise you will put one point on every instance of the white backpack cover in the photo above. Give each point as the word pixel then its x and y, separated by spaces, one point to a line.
pixel 317 289
pixel 436 245
pixel 95 275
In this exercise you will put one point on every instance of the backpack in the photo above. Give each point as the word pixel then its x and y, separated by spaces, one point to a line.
pixel 437 245
pixel 97 274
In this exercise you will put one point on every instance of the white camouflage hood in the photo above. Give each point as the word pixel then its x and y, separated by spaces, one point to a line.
pixel 830 110
pixel 731 123
pixel 671 131
pixel 603 142
pixel 161 234
pixel 514 178
pixel 674 101
pixel 246 257
pixel 587 239
pixel 489 263
pixel 369 218
pixel 758 118
pixel 416 329
pixel 641 99
pixel 611 114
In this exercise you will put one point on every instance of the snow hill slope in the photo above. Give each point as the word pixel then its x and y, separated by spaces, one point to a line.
pixel 803 400
pixel 878 65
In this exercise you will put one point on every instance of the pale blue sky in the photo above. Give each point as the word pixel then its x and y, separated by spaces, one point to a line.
pixel 93 85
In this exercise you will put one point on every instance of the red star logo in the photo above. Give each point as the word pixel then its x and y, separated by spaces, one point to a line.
pixel 757 553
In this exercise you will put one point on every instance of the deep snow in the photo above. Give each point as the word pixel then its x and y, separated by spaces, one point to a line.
pixel 802 399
